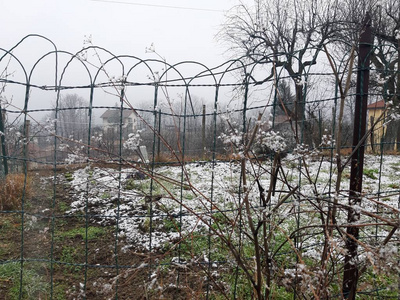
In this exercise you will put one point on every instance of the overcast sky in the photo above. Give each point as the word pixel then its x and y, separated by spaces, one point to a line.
pixel 179 29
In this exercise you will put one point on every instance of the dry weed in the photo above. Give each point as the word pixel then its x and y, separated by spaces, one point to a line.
pixel 12 189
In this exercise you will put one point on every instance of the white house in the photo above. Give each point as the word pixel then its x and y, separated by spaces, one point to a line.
pixel 112 119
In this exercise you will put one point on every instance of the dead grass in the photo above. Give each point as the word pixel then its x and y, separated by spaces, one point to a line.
pixel 165 158
pixel 12 189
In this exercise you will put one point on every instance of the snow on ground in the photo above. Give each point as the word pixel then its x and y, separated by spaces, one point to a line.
pixel 117 198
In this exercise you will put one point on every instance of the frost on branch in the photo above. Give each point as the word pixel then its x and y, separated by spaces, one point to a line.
pixel 234 137
pixel 76 151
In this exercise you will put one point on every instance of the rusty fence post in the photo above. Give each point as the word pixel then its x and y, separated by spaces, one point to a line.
pixel 203 133
pixel 3 141
pixel 351 272
pixel 159 135
pixel 27 135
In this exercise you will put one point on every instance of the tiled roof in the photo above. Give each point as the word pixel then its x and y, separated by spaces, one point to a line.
pixel 376 105
pixel 115 113
pixel 279 119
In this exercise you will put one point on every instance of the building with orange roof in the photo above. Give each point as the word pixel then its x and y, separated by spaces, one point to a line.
pixel 376 118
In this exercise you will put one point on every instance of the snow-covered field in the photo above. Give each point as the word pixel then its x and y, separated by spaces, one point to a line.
pixel 149 213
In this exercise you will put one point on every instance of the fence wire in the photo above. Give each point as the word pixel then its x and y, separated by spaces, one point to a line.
pixel 131 178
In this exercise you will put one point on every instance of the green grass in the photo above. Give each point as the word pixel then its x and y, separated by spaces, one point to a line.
pixel 370 173
pixel 394 185
pixel 278 292
pixel 188 196
pixel 69 176
pixel 142 185
pixel 5 225
pixel 238 281
pixel 170 225
pixel 105 196
pixel 92 233
pixel 34 286
pixel 63 206
pixel 384 284
pixel 70 256
pixel 146 224
pixel 59 292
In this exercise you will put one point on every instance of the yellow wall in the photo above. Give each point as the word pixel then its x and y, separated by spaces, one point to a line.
pixel 379 130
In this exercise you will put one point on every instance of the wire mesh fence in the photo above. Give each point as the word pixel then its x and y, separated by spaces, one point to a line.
pixel 131 178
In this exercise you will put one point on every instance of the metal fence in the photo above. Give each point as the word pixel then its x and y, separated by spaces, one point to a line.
pixel 141 180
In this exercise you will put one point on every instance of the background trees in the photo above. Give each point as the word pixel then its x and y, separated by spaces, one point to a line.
pixel 73 117
pixel 290 35
pixel 385 83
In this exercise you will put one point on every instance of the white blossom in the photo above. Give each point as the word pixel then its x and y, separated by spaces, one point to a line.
pixel 272 140
pixel 133 141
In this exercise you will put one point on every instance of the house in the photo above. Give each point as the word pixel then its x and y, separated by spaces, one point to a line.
pixel 376 115
pixel 111 120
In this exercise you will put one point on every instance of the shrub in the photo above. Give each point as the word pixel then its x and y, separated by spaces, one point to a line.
pixel 12 190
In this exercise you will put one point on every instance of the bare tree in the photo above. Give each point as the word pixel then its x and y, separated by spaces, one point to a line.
pixel 289 34
pixel 72 117
pixel 385 81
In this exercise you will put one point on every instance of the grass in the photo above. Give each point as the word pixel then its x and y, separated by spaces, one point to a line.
pixel 70 240
pixel 146 224
pixel 5 225
pixel 384 285
pixel 59 292
pixel 170 225
pixel 188 196
pixel 241 285
pixel 105 196
pixel 12 189
pixel 197 245
pixel 142 186
pixel 370 173
pixel 63 206
pixel 394 185
pixel 69 176
pixel 34 286
pixel 69 256
pixel 92 233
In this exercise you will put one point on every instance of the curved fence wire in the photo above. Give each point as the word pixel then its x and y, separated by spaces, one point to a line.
pixel 126 178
